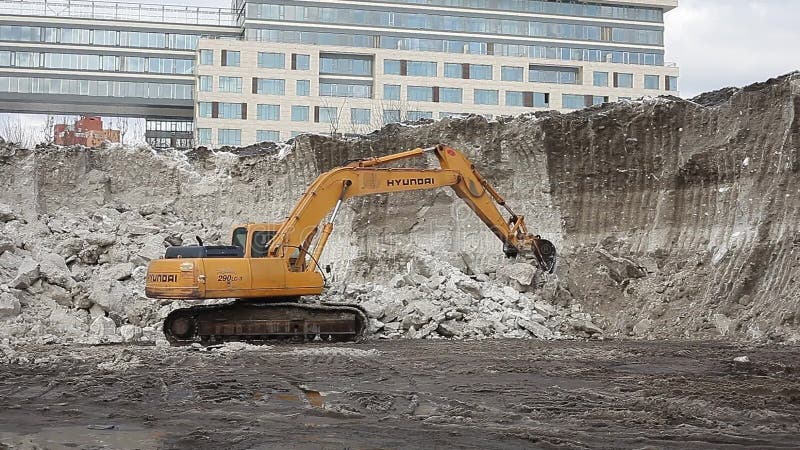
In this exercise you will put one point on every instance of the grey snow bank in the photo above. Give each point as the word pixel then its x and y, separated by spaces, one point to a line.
pixel 434 299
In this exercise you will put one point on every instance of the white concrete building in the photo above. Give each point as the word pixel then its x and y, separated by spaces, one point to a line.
pixel 352 66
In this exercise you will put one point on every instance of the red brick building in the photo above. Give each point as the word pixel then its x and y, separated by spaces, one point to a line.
pixel 86 131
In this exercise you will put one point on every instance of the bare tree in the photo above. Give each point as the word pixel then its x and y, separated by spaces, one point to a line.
pixel 333 120
pixel 121 124
pixel 47 134
pixel 137 132
pixel 13 129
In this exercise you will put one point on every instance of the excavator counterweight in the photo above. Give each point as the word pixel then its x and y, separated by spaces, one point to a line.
pixel 269 266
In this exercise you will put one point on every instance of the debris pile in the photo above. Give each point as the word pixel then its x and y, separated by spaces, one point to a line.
pixel 72 277
pixel 434 299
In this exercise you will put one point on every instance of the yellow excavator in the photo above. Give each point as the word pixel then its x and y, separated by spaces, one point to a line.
pixel 269 266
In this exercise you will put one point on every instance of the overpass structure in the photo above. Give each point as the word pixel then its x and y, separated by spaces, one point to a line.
pixel 107 58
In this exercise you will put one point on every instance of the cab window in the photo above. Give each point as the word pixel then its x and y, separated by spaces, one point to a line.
pixel 240 237
pixel 261 240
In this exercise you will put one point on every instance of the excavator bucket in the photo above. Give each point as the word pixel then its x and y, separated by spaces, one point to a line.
pixel 545 253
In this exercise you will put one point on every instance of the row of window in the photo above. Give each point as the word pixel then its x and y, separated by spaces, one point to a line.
pixel 299 113
pixel 334 64
pixel 550 7
pixel 322 114
pixel 105 63
pixel 536 74
pixel 95 88
pixel 169 125
pixel 456 46
pixel 443 22
pixel 626 80
pixel 51 35
pixel 275 86
pixel 413 93
pixel 265 60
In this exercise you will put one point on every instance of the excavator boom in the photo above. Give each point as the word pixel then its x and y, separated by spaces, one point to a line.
pixel 269 266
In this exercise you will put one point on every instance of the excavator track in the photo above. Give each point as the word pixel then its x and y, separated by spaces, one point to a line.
pixel 260 323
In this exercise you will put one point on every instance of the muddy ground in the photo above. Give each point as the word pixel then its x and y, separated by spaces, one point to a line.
pixel 406 394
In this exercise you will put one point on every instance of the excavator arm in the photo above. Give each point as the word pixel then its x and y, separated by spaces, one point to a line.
pixel 367 177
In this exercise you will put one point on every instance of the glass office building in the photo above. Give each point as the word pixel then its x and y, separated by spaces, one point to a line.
pixel 269 70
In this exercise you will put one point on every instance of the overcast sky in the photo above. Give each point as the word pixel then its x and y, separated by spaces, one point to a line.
pixel 716 43
pixel 719 43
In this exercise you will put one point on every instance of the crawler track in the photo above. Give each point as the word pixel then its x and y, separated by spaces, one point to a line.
pixel 265 322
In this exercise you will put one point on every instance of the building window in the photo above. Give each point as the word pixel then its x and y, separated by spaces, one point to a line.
pixel 623 80
pixel 480 72
pixel 75 36
pixel 599 99
pixel 299 113
pixel 450 95
pixel 231 58
pixel 328 114
pixel 514 98
pixel 268 136
pixel 355 90
pixel 359 116
pixel 204 109
pixel 206 57
pixel 268 112
pixel 391 92
pixel 301 62
pixel 486 97
pixel 391 116
pixel 552 74
pixel 271 60
pixel 392 67
pixel 269 86
pixel 671 83
pixel 468 71
pixel 345 65
pixel 230 84
pixel 294 134
pixel 452 70
pixel 541 100
pixel 508 73
pixel 230 137
pixel 601 79
pixel 204 136
pixel 417 115
pixel 303 88
pixel 105 37
pixel 651 82
pixel 231 110
pixel 421 68
pixel 571 101
pixel 205 83
pixel 420 94
pixel 132 63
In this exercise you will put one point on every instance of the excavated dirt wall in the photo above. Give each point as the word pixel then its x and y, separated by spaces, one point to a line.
pixel 674 219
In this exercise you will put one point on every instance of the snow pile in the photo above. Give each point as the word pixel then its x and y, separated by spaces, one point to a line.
pixel 434 299
pixel 79 277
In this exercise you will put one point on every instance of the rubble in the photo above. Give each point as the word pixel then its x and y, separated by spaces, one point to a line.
pixel 9 305
pixel 434 299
